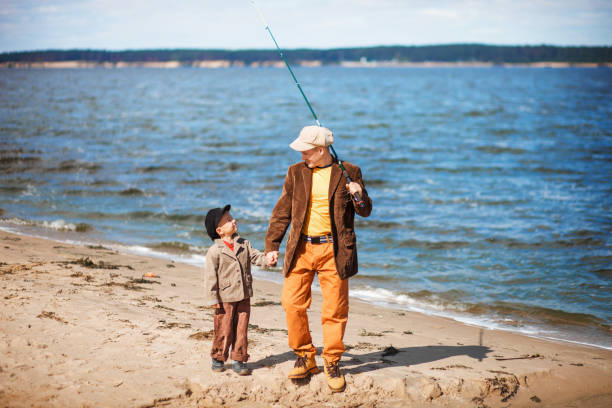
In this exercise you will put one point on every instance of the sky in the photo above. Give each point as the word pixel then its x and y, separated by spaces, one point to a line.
pixel 27 25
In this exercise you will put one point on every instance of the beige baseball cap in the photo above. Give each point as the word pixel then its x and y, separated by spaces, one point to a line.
pixel 311 137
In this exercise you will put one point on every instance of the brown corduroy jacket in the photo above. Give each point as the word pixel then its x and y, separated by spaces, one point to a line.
pixel 291 210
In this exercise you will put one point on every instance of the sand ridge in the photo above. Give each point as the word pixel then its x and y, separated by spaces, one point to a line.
pixel 82 326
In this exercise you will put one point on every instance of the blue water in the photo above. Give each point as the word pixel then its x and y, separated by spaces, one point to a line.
pixel 491 186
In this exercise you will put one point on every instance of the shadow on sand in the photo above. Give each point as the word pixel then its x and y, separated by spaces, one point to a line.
pixel 407 356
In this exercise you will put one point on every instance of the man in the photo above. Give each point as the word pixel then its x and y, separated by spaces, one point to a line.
pixel 319 204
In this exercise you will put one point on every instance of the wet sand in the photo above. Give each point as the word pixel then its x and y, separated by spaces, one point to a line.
pixel 81 327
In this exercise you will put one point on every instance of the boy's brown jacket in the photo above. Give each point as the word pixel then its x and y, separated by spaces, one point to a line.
pixel 292 206
pixel 227 274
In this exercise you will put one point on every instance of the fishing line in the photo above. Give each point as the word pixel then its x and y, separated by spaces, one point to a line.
pixel 357 196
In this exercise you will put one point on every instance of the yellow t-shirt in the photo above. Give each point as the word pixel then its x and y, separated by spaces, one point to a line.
pixel 317 217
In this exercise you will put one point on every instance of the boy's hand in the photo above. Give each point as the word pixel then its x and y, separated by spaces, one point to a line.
pixel 272 258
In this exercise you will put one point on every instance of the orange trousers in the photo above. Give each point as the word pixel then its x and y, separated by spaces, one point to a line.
pixel 296 299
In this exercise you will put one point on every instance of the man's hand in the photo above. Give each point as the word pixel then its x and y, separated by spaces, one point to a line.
pixel 272 258
pixel 217 306
pixel 354 188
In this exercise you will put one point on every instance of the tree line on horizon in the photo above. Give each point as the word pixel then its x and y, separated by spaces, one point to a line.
pixel 428 53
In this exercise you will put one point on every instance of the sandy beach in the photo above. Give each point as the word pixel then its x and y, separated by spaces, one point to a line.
pixel 81 327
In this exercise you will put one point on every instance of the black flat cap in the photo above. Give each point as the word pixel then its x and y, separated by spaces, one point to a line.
pixel 212 220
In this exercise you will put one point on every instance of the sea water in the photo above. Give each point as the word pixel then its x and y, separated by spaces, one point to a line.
pixel 491 186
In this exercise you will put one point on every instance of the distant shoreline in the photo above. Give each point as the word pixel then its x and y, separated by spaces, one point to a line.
pixel 427 56
pixel 215 64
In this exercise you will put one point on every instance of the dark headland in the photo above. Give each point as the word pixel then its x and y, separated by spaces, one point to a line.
pixel 418 56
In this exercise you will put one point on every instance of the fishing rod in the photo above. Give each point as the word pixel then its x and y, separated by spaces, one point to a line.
pixel 357 196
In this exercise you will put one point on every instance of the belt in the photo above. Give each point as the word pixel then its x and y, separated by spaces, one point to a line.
pixel 318 240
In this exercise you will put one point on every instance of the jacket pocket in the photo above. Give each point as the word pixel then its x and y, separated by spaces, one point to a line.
pixel 350 240
pixel 225 285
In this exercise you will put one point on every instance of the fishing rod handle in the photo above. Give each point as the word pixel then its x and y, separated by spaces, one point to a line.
pixel 358 200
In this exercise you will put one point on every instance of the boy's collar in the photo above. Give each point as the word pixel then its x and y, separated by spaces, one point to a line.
pixel 234 240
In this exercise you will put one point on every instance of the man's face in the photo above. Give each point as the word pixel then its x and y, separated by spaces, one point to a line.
pixel 313 157
pixel 227 225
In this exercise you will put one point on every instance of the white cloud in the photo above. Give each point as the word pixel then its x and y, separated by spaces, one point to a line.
pixel 443 13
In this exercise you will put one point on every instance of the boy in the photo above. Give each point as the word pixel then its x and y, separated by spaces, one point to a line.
pixel 228 287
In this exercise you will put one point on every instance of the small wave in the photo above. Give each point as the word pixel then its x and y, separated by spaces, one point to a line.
pixel 479 202
pixel 12 189
pixel 155 169
pixel 500 150
pixel 10 161
pixel 548 170
pixel 375 278
pixel 177 247
pixel 15 151
pixel 132 192
pixel 191 258
pixel 583 233
pixel 379 225
pixel 233 166
pixel 61 225
pixel 197 181
pixel 596 259
pixel 480 113
pixel 103 183
pixel 503 132
pixel 428 150
pixel 401 160
pixel 258 152
pixel 18 164
pixel 127 192
pixel 603 272
pixel 73 166
pixel 565 243
pixel 57 225
pixel 377 125
pixel 470 169
pixel 432 245
pixel 375 182
pixel 147 215
pixel 535 314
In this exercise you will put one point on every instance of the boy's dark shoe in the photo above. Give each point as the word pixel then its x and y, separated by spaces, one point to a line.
pixel 335 379
pixel 218 365
pixel 304 366
pixel 240 368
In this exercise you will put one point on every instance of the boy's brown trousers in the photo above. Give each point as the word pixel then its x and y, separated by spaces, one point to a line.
pixel 231 324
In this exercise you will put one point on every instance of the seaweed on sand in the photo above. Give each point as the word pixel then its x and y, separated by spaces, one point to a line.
pixel 367 333
pixel 51 315
pixel 86 262
pixel 265 303
pixel 202 335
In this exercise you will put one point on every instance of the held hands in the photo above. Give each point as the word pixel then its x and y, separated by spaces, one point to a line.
pixel 354 188
pixel 272 258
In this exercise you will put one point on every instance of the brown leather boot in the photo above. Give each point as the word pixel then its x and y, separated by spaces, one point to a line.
pixel 304 366
pixel 335 379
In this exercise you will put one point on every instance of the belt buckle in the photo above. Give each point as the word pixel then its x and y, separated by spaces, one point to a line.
pixel 315 240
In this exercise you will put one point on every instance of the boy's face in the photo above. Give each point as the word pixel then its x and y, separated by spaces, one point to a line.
pixel 227 225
